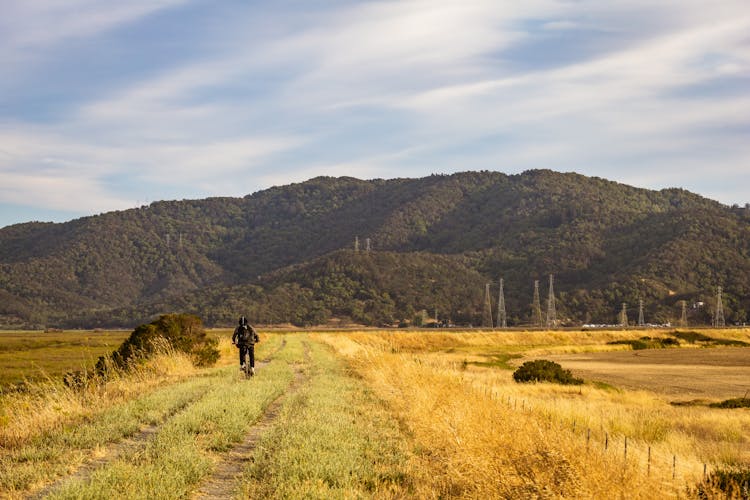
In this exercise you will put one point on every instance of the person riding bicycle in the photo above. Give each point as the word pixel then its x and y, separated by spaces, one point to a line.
pixel 245 338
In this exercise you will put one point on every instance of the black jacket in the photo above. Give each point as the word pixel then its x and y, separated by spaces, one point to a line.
pixel 245 334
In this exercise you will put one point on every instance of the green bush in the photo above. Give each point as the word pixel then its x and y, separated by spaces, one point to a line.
pixel 692 337
pixel 637 345
pixel 732 403
pixel 542 370
pixel 726 483
pixel 647 343
pixel 183 332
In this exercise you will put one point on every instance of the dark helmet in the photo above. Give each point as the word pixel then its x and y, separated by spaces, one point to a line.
pixel 243 320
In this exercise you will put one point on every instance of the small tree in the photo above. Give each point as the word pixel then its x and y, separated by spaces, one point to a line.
pixel 542 370
pixel 183 332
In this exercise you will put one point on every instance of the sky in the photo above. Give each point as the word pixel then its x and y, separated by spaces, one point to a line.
pixel 113 105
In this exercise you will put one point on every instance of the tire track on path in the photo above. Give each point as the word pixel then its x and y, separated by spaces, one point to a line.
pixel 117 449
pixel 127 445
pixel 222 484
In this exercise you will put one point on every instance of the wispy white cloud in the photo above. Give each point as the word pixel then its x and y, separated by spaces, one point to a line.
pixel 618 89
pixel 28 28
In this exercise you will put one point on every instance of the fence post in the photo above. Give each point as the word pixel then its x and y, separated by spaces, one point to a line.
pixel 626 448
pixel 606 441
pixel 674 466
pixel 648 467
pixel 588 438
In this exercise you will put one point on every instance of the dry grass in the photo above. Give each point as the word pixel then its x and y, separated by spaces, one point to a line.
pixel 49 403
pixel 482 435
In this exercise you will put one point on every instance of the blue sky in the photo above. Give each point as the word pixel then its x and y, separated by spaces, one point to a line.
pixel 110 105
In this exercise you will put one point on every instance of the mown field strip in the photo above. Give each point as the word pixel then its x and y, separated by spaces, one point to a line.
pixel 223 483
pixel 62 451
pixel 78 443
pixel 182 452
pixel 332 439
pixel 132 441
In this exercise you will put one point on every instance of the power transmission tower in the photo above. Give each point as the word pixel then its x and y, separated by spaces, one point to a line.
pixel 536 308
pixel 719 309
pixel 640 313
pixel 502 320
pixel 487 320
pixel 551 313
pixel 624 315
pixel 367 244
pixel 180 239
pixel 167 240
pixel 356 243
pixel 683 316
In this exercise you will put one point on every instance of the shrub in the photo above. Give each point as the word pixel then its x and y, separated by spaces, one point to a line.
pixel 183 332
pixel 727 483
pixel 692 337
pixel 732 403
pixel 542 370
pixel 647 343
pixel 637 345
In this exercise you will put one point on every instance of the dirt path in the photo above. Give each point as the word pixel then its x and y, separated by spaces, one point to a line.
pixel 223 483
pixel 125 446
pixel 118 449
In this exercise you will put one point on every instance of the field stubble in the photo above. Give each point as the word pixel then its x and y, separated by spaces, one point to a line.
pixel 484 435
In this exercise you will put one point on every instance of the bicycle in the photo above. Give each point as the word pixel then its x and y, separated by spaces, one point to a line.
pixel 248 370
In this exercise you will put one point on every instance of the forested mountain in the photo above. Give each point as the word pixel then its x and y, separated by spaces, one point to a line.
pixel 286 254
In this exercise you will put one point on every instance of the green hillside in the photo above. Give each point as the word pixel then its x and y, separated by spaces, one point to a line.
pixel 286 254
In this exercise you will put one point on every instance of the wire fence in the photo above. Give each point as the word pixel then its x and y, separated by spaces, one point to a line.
pixel 672 471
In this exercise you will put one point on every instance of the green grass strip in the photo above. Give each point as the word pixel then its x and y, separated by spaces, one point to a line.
pixel 52 453
pixel 333 439
pixel 182 453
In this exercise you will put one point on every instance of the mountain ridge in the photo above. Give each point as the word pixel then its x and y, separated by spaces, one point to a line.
pixel 606 243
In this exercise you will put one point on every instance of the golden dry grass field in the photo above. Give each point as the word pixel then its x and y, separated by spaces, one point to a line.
pixel 486 436
pixel 391 414
pixel 679 374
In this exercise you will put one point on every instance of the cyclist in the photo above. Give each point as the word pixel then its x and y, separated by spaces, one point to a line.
pixel 245 338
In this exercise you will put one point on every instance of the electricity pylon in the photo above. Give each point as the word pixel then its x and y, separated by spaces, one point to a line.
pixel 624 315
pixel 536 308
pixel 640 313
pixel 551 312
pixel 683 316
pixel 719 310
pixel 502 320
pixel 487 319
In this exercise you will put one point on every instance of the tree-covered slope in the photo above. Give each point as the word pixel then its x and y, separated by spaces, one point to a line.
pixel 606 243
